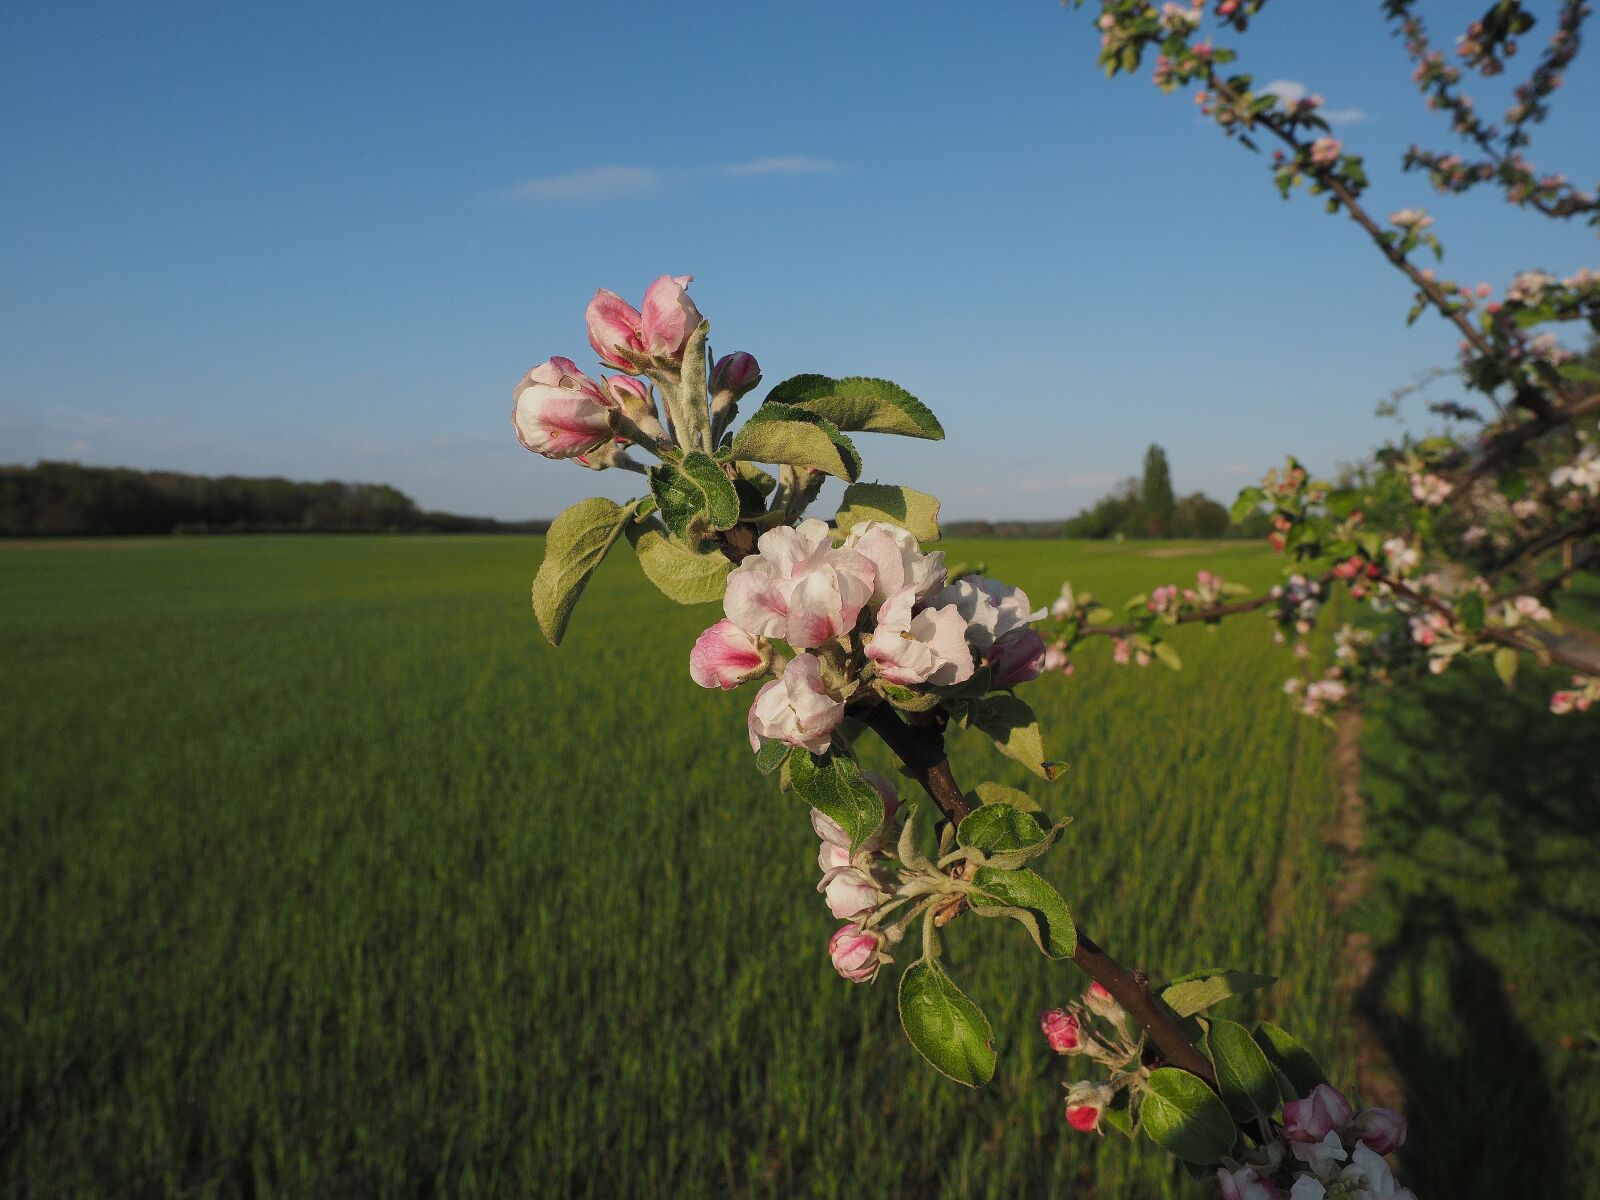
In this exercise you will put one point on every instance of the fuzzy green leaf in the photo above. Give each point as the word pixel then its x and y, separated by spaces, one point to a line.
pixel 681 572
pixel 1505 665
pixel 578 541
pixel 1244 1075
pixel 1184 1117
pixel 783 433
pixel 1055 933
pixel 996 828
pixel 860 404
pixel 694 495
pixel 912 510
pixel 947 1029
pixel 1199 990
pixel 1291 1058
pixel 1015 730
pixel 832 783
pixel 771 754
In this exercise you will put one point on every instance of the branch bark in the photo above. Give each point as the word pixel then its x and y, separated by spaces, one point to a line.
pixel 921 748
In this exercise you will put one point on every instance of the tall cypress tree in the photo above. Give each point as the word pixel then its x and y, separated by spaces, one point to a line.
pixel 1156 499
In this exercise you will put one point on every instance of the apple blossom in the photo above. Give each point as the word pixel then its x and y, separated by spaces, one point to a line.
pixel 560 412
pixel 725 656
pixel 1310 1119
pixel 990 608
pixel 1100 1002
pixel 1325 151
pixel 1016 658
pixel 897 560
pixel 1582 472
pixel 1381 1128
pixel 798 588
pixel 1245 1184
pixel 926 647
pixel 798 709
pixel 618 331
pixel 857 953
pixel 850 890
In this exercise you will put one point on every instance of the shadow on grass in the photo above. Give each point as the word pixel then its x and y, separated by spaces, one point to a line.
pixel 1484 833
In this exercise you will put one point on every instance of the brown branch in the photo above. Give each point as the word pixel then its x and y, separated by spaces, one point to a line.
pixel 921 748
pixel 1576 655
pixel 1200 614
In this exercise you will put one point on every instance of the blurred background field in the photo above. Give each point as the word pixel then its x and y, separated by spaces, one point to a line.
pixel 323 875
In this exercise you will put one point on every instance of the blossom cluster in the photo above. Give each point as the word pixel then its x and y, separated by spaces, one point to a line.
pixel 1097 1029
pixel 873 609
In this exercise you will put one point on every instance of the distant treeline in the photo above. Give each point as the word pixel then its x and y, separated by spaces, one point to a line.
pixel 61 499
pixel 1135 508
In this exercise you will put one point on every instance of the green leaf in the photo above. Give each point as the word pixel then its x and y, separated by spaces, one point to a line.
pixel 1470 609
pixel 1184 1117
pixel 858 403
pixel 1023 889
pixel 833 784
pixel 694 495
pixel 687 403
pixel 783 433
pixel 1167 655
pixel 771 755
pixel 998 793
pixel 1015 730
pixel 1505 665
pixel 1199 990
pixel 1244 1075
pixel 681 572
pixel 913 510
pixel 578 541
pixel 1287 1054
pixel 756 478
pixel 1249 500
pixel 995 828
pixel 947 1029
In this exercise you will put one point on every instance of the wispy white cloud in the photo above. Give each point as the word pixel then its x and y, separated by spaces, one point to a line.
pixel 791 164
pixel 1291 91
pixel 595 183
pixel 1094 479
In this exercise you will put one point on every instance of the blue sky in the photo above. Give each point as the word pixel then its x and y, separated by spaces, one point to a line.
pixel 324 241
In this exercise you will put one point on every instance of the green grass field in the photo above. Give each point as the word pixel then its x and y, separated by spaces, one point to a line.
pixel 324 876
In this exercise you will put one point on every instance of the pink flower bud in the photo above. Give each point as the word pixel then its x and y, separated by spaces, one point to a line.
pixel 614 324
pixel 1086 1104
pixel 857 953
pixel 1381 1128
pixel 725 656
pixel 850 891
pixel 1016 658
pixel 1103 1005
pixel 1245 1184
pixel 1062 1030
pixel 735 374
pixel 1323 1112
pixel 560 412
pixel 669 317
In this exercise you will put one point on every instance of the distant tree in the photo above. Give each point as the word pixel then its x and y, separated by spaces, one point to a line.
pixel 1199 516
pixel 1157 506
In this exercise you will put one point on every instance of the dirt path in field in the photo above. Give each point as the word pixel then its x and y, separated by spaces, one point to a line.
pixel 1375 1080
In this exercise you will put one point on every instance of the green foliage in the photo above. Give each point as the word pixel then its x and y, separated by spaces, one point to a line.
pixel 857 403
pixel 1027 897
pixel 1184 1117
pixel 1015 730
pixel 783 433
pixel 683 573
pixel 914 510
pixel 1292 1060
pixel 578 542
pixel 832 784
pixel 1244 1075
pixel 1156 501
pixel 946 1027
pixel 1199 990
pixel 695 496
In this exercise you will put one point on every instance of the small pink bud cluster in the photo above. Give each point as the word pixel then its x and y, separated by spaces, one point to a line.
pixel 1430 489
pixel 854 886
pixel 1583 695
pixel 1097 1028
pixel 1325 151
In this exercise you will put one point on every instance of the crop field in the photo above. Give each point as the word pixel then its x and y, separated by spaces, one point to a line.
pixel 322 875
